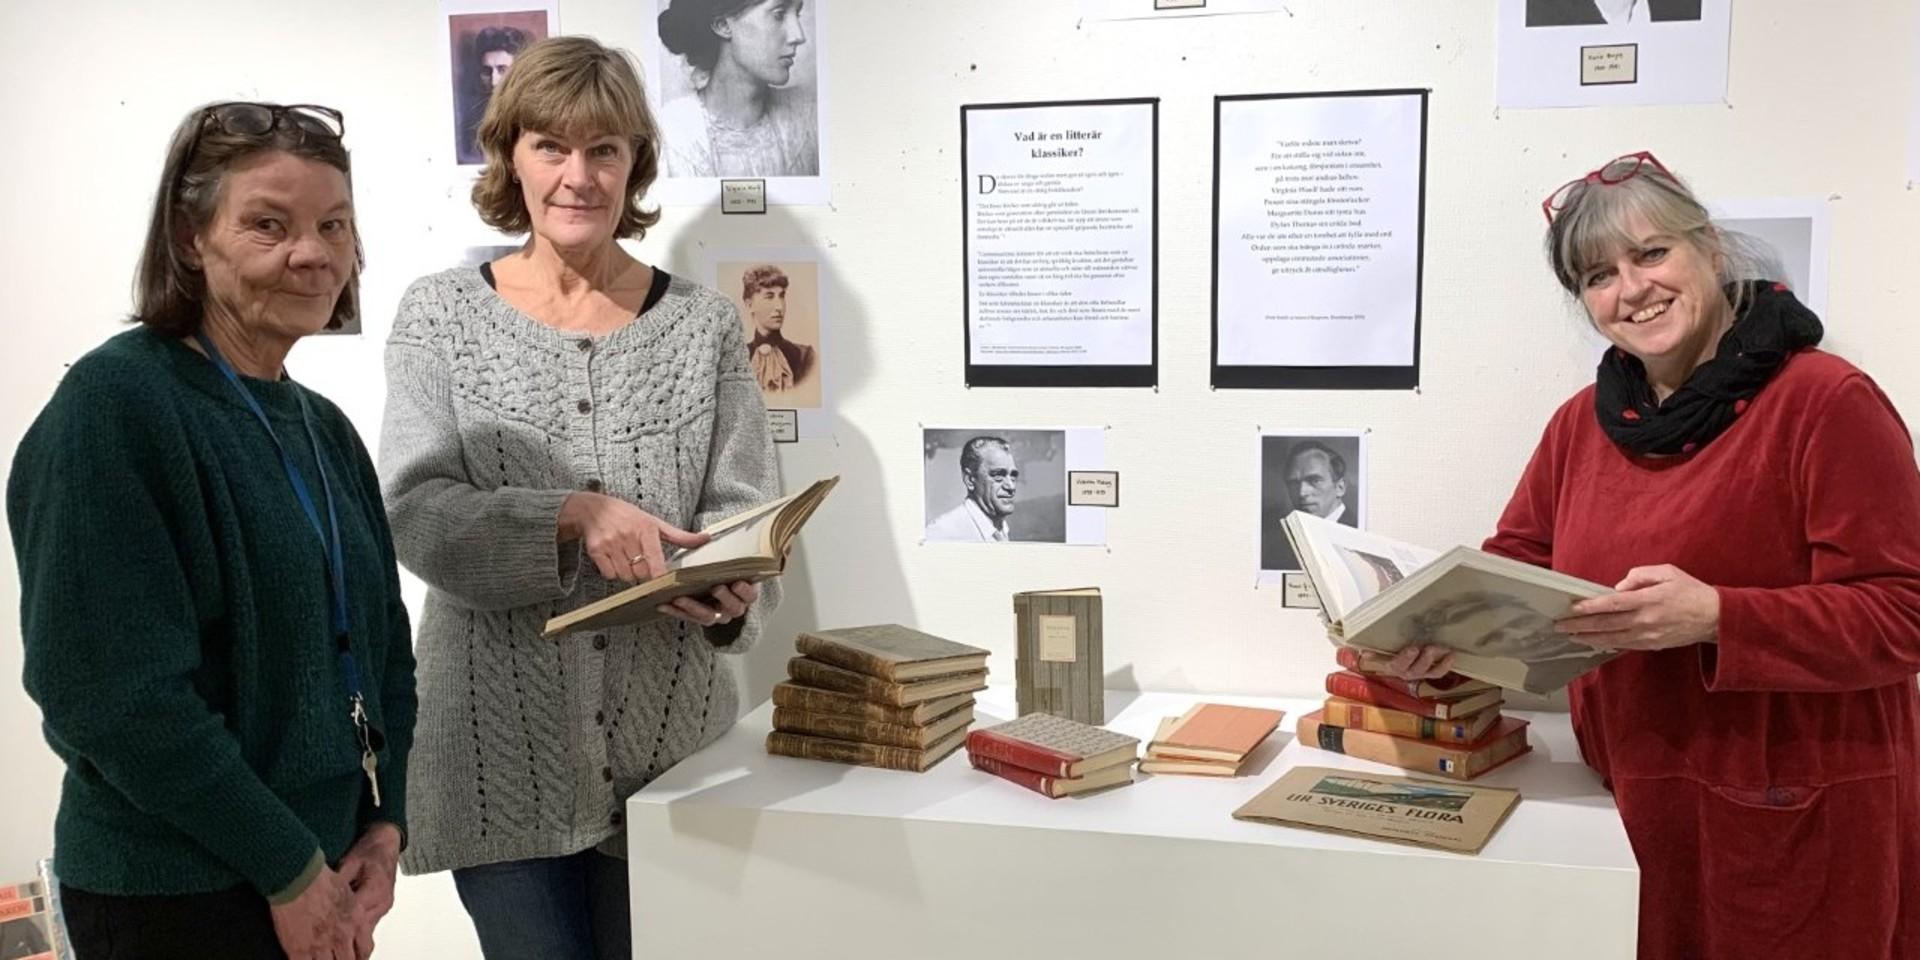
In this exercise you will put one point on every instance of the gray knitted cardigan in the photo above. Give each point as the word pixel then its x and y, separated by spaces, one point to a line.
pixel 526 747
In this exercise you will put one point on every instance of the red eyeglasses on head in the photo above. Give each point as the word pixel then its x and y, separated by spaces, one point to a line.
pixel 1617 170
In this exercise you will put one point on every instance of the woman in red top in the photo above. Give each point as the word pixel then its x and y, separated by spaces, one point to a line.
pixel 1755 502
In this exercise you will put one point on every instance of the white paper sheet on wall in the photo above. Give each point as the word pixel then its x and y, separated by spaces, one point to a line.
pixel 1156 9
pixel 1588 53
pixel 1317 217
pixel 1060 221
pixel 1795 230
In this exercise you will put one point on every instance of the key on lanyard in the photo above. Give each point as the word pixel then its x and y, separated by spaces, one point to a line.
pixel 368 762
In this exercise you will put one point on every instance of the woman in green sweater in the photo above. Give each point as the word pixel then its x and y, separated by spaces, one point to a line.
pixel 209 603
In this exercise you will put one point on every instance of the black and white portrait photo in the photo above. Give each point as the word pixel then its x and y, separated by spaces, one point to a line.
pixel 739 91
pixel 990 485
pixel 482 42
pixel 1317 473
pixel 1586 13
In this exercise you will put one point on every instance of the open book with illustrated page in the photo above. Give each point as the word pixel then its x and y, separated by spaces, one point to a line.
pixel 749 546
pixel 1496 613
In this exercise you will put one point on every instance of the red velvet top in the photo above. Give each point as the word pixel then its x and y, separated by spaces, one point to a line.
pixel 1805 516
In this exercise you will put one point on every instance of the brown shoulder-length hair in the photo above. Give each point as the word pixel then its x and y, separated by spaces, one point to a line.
pixel 169 292
pixel 571 86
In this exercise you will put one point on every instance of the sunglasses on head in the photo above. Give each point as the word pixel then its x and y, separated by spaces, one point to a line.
pixel 1617 170
pixel 260 119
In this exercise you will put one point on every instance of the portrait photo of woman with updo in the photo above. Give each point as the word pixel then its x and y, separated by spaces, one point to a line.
pixel 739 88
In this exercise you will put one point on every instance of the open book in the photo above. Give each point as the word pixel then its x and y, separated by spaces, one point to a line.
pixel 1495 612
pixel 746 546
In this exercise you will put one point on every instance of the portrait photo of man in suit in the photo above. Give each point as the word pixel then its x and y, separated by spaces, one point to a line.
pixel 1580 13
pixel 995 486
pixel 1312 473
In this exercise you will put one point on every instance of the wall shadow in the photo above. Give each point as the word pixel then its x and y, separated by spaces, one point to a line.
pixel 844 569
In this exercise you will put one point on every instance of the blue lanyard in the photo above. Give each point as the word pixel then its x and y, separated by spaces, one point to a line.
pixel 336 557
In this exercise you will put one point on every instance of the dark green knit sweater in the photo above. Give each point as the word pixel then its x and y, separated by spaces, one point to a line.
pixel 174 606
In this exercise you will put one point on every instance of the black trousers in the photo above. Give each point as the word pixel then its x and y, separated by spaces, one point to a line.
pixel 233 924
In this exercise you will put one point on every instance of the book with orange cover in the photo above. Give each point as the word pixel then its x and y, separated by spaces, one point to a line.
pixel 1398 723
pixel 1159 760
pixel 1505 741
pixel 1218 731
pixel 1362 688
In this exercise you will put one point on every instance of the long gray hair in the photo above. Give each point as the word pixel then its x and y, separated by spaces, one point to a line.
pixel 1591 228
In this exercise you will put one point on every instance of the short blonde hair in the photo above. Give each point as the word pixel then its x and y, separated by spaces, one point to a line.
pixel 570 86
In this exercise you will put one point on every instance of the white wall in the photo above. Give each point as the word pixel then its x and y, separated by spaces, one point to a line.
pixel 1817 107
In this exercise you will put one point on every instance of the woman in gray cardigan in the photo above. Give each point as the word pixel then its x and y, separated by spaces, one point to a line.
pixel 554 419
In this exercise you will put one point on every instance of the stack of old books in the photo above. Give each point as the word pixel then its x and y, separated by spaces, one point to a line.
pixel 1053 755
pixel 879 696
pixel 1209 740
pixel 1449 726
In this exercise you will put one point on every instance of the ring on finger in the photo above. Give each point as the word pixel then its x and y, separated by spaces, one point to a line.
pixel 636 558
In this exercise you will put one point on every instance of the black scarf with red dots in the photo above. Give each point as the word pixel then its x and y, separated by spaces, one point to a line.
pixel 1771 327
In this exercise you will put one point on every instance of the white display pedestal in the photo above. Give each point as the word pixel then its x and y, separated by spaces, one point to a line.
pixel 735 853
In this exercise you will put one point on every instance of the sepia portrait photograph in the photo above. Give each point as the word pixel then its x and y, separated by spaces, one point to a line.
pixel 1320 473
pixel 989 485
pixel 738 92
pixel 780 303
pixel 1592 13
pixel 483 38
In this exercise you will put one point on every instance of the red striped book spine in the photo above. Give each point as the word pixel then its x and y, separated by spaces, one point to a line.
pixel 1031 779
pixel 1363 689
pixel 1370 664
pixel 1020 753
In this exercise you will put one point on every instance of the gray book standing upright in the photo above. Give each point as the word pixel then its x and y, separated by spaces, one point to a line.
pixel 1057 667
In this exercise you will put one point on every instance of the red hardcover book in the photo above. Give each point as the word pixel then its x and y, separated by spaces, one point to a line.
pixel 1364 689
pixel 1055 746
pixel 1448 686
pixel 1055 787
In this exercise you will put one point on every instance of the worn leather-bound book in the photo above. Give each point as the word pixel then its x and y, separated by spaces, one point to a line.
pixel 751 546
pixel 794 696
pixel 826 676
pixel 891 652
pixel 809 747
pixel 1507 740
pixel 868 731
pixel 1052 745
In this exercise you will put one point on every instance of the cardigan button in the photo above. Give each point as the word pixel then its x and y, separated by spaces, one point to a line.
pixel 599 641
pixel 600 717
pixel 615 819
pixel 584 344
pixel 606 773
pixel 594 485
pixel 586 406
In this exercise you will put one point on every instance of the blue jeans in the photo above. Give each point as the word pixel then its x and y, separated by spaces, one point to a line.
pixel 558 908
